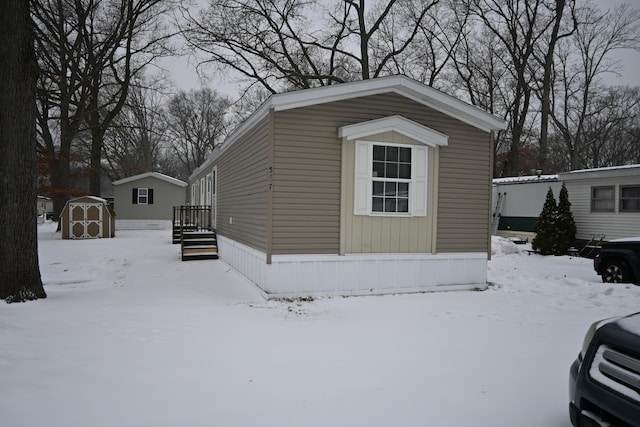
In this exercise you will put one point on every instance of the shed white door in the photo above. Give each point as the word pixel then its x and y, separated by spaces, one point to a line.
pixel 85 220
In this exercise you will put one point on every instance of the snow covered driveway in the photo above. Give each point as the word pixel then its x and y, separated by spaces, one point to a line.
pixel 132 336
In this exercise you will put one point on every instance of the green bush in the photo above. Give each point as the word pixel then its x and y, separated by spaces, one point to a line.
pixel 555 228
pixel 545 227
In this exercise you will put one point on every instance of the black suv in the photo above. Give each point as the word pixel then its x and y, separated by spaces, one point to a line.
pixel 619 261
pixel 604 381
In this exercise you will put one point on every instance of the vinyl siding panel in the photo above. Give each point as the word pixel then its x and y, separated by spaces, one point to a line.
pixel 306 184
pixel 307 164
pixel 242 188
pixel 526 199
pixel 165 196
pixel 613 225
pixel 464 190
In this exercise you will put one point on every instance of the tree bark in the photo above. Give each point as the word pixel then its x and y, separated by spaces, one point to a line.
pixel 19 271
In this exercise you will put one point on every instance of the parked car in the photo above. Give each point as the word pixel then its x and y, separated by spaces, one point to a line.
pixel 619 261
pixel 604 381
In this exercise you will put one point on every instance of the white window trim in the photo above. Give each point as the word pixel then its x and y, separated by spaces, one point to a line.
pixel 140 196
pixel 363 180
pixel 208 192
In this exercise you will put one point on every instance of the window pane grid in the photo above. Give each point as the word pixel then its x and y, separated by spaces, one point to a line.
pixel 602 199
pixel 391 176
pixel 630 199
pixel 142 196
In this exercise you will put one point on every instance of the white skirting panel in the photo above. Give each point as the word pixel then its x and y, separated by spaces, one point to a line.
pixel 318 275
pixel 143 224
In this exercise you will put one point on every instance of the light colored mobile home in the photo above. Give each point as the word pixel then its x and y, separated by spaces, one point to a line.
pixel 146 201
pixel 605 201
pixel 376 186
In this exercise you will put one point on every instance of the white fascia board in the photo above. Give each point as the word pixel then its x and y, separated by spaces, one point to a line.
pixel 151 174
pixel 398 124
pixel 401 85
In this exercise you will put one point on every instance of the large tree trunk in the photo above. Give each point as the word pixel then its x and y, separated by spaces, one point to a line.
pixel 19 272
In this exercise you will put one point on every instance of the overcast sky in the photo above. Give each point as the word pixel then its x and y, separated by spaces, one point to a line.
pixel 184 76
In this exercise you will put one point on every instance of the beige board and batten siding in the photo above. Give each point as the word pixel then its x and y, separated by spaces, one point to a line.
pixel 385 234
pixel 307 173
pixel 242 188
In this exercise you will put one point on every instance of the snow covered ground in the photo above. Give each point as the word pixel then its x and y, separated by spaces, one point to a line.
pixel 131 336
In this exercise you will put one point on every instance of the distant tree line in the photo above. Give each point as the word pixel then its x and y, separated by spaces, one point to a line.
pixel 539 64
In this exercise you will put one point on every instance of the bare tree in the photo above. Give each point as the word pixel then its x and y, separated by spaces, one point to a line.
pixel 136 141
pixel 61 90
pixel 482 77
pixel 89 51
pixel 197 122
pixel 545 56
pixel 518 25
pixel 19 271
pixel 121 39
pixel 607 141
pixel 278 45
pixel 431 52
pixel 581 61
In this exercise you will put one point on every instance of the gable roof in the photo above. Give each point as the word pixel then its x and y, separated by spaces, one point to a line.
pixel 157 175
pixel 88 198
pixel 401 85
pixel 398 124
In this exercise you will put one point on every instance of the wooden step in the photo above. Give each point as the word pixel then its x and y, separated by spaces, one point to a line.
pixel 198 245
pixel 197 253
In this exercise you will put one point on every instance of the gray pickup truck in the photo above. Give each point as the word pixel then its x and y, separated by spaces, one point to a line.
pixel 604 381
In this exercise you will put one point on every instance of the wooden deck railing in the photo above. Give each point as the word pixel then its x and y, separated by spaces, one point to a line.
pixel 190 218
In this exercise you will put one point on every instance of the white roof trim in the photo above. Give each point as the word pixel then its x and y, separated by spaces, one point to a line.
pixel 401 85
pixel 158 175
pixel 398 124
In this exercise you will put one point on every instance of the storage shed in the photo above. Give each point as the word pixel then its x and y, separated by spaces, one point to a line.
pixel 87 217
pixel 376 186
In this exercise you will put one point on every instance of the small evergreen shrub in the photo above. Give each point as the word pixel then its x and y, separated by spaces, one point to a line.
pixel 565 224
pixel 555 228
pixel 545 226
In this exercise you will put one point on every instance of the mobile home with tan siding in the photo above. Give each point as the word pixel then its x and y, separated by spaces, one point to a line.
pixel 377 186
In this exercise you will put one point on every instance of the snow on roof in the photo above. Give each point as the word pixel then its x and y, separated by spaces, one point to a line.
pixel 158 175
pixel 526 179
pixel 94 198
pixel 608 172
